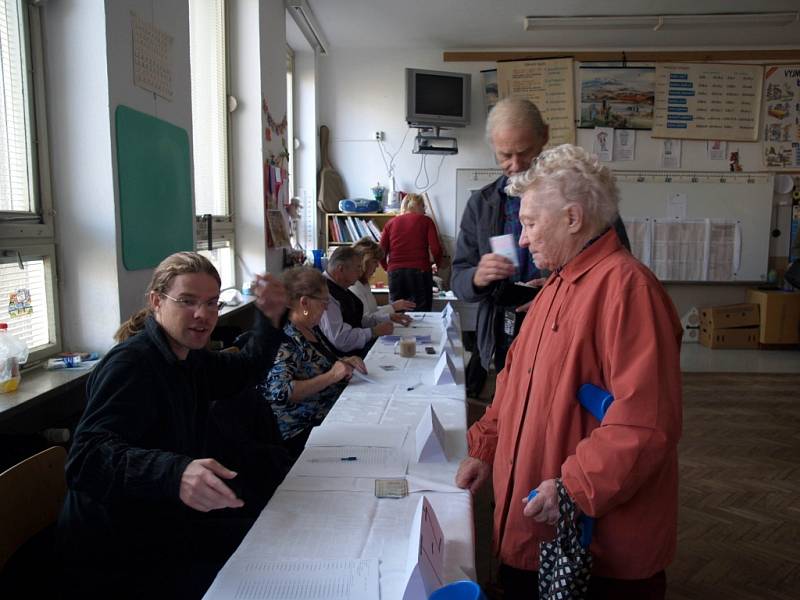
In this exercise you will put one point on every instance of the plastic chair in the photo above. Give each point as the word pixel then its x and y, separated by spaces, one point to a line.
pixel 460 590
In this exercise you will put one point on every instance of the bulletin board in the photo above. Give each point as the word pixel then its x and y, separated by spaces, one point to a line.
pixel 155 188
pixel 719 203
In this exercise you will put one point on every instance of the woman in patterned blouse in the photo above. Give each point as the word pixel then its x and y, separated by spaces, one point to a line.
pixel 308 374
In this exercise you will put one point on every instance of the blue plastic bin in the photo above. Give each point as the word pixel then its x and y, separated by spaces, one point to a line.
pixel 460 590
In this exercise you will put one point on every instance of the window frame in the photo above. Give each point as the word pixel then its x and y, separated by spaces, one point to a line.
pixel 36 226
pixel 222 225
pixel 46 251
pixel 31 235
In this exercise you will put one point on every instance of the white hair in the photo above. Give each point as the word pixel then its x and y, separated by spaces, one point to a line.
pixel 578 176
pixel 516 113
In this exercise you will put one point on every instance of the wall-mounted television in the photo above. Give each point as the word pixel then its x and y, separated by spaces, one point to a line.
pixel 437 98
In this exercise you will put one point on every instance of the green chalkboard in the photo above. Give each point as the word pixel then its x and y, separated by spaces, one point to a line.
pixel 155 188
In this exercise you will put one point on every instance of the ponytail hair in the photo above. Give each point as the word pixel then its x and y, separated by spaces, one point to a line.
pixel 180 263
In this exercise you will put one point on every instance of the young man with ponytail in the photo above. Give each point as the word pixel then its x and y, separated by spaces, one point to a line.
pixel 139 516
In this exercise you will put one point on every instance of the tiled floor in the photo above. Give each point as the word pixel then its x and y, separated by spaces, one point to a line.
pixel 699 359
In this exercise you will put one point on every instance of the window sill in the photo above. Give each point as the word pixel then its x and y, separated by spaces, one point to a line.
pixel 37 389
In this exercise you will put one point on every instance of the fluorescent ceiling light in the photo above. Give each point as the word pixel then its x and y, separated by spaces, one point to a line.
pixel 307 22
pixel 657 22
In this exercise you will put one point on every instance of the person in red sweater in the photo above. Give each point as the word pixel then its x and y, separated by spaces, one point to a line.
pixel 410 241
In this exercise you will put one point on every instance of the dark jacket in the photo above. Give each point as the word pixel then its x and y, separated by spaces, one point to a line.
pixel 145 421
pixel 482 219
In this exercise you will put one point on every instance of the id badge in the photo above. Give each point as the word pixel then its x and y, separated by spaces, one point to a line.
pixel 509 321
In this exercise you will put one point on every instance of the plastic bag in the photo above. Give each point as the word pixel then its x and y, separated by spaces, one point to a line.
pixel 13 353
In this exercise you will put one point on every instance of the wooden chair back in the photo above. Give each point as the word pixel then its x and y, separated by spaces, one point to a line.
pixel 31 494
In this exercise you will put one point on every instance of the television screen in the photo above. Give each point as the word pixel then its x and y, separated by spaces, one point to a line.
pixel 436 98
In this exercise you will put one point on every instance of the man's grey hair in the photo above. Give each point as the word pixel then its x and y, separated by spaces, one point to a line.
pixel 516 113
pixel 578 176
pixel 342 256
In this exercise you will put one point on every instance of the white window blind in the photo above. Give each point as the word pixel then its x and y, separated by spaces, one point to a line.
pixel 15 126
pixel 35 328
pixel 222 258
pixel 209 106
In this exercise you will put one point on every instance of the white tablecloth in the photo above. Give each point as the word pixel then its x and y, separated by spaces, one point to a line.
pixel 340 517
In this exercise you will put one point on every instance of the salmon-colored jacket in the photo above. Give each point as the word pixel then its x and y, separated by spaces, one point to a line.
pixel 603 319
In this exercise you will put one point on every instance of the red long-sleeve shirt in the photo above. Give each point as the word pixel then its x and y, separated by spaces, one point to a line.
pixel 406 240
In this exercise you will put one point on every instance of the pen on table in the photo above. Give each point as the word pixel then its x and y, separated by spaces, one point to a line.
pixel 335 459
pixel 412 387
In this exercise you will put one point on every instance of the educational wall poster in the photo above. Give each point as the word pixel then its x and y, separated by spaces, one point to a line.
pixel 707 101
pixel 151 57
pixel 489 80
pixel 549 84
pixel 782 117
pixel 619 97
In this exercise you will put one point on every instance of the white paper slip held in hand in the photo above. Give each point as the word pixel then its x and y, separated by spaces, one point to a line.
pixel 505 245
pixel 342 579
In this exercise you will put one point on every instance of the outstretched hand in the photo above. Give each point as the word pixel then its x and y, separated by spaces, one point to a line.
pixel 271 298
pixel 202 487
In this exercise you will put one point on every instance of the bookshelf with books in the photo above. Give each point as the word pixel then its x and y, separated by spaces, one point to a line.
pixel 342 229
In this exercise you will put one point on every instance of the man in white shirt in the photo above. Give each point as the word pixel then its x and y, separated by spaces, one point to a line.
pixel 343 322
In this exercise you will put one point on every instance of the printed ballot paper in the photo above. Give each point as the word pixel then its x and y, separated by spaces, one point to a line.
pixel 425 563
pixel 350 461
pixel 343 579
pixel 430 438
pixel 357 434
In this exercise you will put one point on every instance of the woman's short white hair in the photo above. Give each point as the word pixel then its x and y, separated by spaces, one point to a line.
pixel 577 175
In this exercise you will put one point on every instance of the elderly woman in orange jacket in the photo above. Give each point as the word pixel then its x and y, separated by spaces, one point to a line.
pixel 601 318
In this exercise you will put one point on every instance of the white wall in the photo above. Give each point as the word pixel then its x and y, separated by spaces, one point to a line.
pixel 83 184
pixel 363 92
pixel 88 63
pixel 257 45
pixel 171 17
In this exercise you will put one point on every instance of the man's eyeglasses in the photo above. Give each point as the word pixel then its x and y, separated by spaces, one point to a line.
pixel 213 305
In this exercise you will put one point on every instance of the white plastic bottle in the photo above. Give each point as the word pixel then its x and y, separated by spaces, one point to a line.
pixel 13 353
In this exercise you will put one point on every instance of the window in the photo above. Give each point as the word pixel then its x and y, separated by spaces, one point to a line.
pixel 28 283
pixel 207 49
pixel 27 295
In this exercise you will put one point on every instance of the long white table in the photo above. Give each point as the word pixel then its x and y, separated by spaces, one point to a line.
pixel 340 517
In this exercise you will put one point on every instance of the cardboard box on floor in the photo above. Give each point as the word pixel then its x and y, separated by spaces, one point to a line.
pixel 729 326
pixel 780 315
pixel 742 337
pixel 730 315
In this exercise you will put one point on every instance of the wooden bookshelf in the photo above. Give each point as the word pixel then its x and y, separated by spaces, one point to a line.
pixel 378 219
pixel 351 234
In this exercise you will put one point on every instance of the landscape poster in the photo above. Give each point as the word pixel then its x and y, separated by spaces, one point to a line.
pixel 618 97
